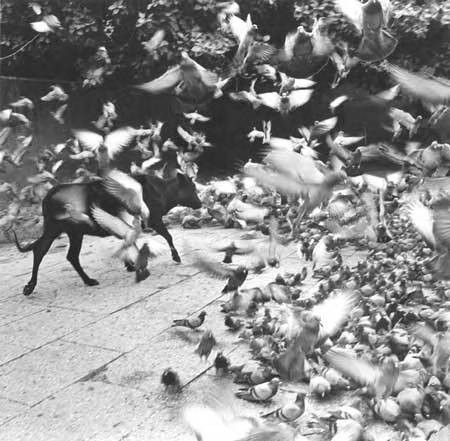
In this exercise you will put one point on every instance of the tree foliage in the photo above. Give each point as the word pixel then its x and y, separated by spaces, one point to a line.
pixel 123 25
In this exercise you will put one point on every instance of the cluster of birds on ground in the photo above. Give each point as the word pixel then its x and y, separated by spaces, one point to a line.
pixel 379 329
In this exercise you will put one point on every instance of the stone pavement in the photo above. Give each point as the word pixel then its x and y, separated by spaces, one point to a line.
pixel 82 364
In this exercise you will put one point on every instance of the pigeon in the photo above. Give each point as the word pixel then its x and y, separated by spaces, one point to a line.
pixel 232 248
pixel 370 18
pixel 49 23
pixel 291 411
pixel 155 42
pixel 22 103
pixel 207 342
pixel 192 322
pixel 429 90
pixel 56 94
pixel 305 53
pixel 171 380
pixel 236 276
pixel 117 227
pixel 433 225
pixel 128 192
pixel 285 102
pixel 380 380
pixel 260 392
pixel 189 81
pixel 114 141
pixel 141 263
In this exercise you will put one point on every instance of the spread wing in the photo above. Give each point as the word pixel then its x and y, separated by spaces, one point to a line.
pixel 422 220
pixel 424 333
pixel 124 188
pixel 352 9
pixel 214 269
pixel 441 228
pixel 239 28
pixel 334 311
pixel 89 140
pixel 112 224
pixel 117 140
pixel 432 90
pixel 164 83
pixel 270 99
pixel 358 370
pixel 302 168
pixel 298 98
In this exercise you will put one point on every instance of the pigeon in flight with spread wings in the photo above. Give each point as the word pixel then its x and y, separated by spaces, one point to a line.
pixel 429 90
pixel 370 18
pixel 189 81
pixel 433 224
pixel 114 141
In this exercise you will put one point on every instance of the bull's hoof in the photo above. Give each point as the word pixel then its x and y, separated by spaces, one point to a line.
pixel 91 282
pixel 176 258
pixel 28 289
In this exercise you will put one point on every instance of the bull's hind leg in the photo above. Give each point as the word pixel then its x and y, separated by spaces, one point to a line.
pixel 40 249
pixel 73 256
pixel 161 229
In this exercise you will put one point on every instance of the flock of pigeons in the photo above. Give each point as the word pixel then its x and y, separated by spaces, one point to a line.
pixel 380 328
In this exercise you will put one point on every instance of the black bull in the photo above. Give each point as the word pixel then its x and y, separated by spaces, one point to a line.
pixel 160 195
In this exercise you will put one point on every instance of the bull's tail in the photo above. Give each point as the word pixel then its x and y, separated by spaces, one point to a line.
pixel 24 248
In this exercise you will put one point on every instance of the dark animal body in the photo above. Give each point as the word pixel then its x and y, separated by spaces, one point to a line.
pixel 160 195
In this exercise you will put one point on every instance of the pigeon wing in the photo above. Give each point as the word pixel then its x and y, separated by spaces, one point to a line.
pixel 112 224
pixel 88 139
pixel 164 83
pixel 118 139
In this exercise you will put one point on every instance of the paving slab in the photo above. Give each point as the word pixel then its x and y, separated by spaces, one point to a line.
pixel 10 409
pixel 144 320
pixel 84 411
pixel 45 326
pixel 42 372
pixel 11 311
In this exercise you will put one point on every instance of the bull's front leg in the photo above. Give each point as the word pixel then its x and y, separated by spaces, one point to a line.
pixel 161 229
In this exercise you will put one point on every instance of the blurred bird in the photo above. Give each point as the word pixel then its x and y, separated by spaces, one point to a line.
pixel 48 23
pixel 288 84
pixel 305 54
pixel 429 90
pixel 171 380
pixel 249 51
pixel 156 41
pixel 141 263
pixel 107 117
pixel 440 344
pixel 189 81
pixel 221 363
pixel 10 119
pixel 194 117
pixel 56 94
pixel 74 215
pixel 380 380
pixel 234 249
pixel 22 103
pixel 285 102
pixel 370 18
pixel 207 342
pixel 117 227
pixel 114 142
pixel 217 420
pixel 128 192
pixel 58 114
pixel 236 276
pixel 260 392
pixel 319 128
pixel 191 322
pixel 434 227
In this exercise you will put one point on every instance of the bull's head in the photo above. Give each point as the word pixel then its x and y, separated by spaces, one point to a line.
pixel 187 192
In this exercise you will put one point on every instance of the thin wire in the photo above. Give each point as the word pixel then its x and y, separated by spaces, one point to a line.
pixel 20 48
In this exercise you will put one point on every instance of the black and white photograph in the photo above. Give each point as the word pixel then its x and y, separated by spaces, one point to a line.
pixel 225 220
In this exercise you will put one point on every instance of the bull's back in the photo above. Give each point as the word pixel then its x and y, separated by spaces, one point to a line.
pixel 81 197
